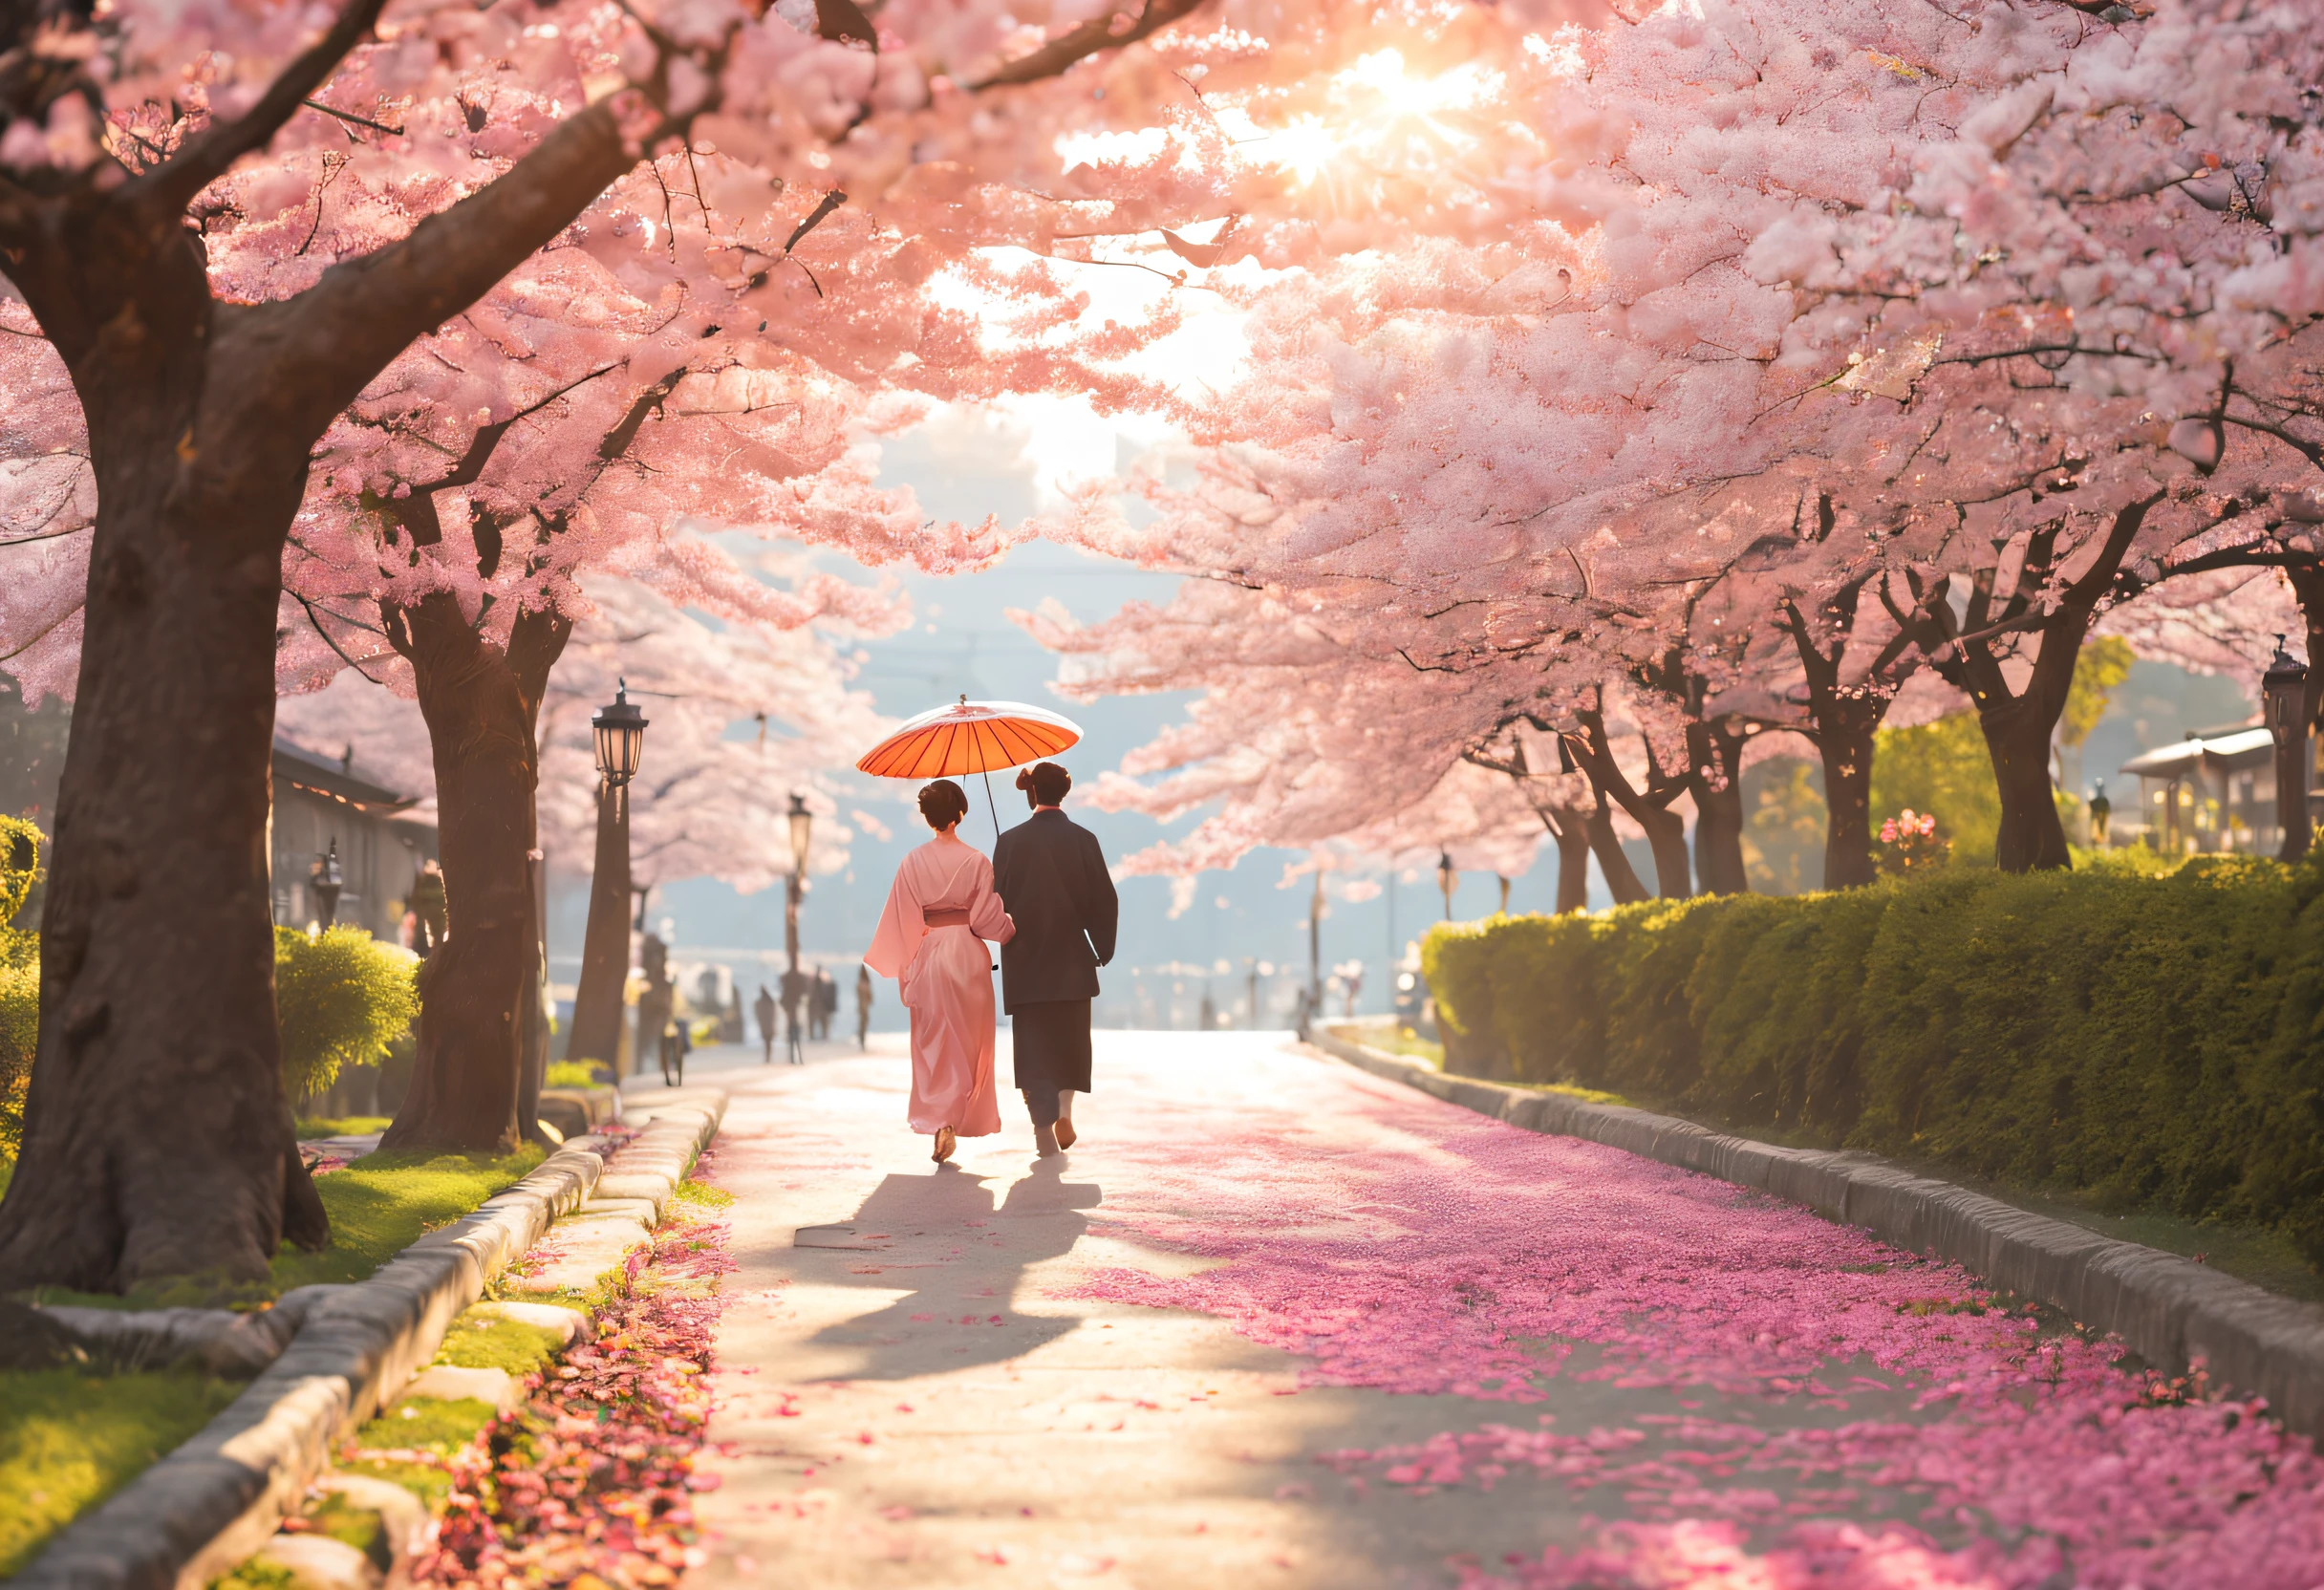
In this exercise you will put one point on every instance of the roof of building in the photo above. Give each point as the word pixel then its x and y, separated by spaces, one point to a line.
pixel 2235 750
pixel 333 778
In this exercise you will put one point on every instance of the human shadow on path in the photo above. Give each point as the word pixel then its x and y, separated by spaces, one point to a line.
pixel 964 1260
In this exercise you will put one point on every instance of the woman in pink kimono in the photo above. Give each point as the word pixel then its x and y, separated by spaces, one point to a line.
pixel 931 939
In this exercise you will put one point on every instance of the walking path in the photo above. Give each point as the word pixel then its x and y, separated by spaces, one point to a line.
pixel 1278 1323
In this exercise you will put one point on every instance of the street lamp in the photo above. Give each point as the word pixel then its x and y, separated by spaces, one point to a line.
pixel 803 827
pixel 619 730
pixel 325 880
pixel 2284 688
pixel 1446 879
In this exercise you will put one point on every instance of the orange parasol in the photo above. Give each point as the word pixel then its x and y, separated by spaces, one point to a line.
pixel 970 737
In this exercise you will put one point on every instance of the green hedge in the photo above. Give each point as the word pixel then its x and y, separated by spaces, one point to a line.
pixel 2153 1043
pixel 23 848
pixel 340 998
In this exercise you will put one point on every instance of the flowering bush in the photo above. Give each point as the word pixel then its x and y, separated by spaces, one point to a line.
pixel 1909 843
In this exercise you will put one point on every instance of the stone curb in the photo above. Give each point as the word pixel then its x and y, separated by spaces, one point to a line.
pixel 2169 1310
pixel 218 1498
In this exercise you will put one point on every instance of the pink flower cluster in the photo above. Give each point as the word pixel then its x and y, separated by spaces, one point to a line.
pixel 1810 1405
pixel 1906 824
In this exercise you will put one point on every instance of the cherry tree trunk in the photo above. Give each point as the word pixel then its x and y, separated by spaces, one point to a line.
pixel 1848 861
pixel 1718 809
pixel 158 1139
pixel 1667 838
pixel 468 1063
pixel 1622 879
pixel 2018 733
pixel 1573 837
pixel 605 946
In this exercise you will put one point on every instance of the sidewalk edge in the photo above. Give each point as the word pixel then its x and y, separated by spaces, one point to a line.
pixel 213 1501
pixel 2169 1310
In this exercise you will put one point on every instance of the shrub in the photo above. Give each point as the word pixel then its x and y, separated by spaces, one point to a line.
pixel 573 1073
pixel 2148 1042
pixel 22 850
pixel 342 997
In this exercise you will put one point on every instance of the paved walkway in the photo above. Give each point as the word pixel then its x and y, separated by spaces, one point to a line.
pixel 1278 1323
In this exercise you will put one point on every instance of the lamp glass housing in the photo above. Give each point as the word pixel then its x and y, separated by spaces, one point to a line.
pixel 2285 689
pixel 621 738
pixel 803 825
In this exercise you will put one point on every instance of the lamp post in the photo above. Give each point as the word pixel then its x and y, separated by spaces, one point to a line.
pixel 621 733
pixel 1446 879
pixel 803 827
pixel 327 881
pixel 2284 688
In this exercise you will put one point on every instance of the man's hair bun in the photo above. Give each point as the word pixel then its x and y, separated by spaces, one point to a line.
pixel 1047 782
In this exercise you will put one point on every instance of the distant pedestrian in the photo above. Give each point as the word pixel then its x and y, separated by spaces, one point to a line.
pixel 826 1002
pixel 764 1008
pixel 797 988
pixel 675 1045
pixel 863 1007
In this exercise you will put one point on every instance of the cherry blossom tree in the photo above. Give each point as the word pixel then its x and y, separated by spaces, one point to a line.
pixel 138 142
pixel 1966 282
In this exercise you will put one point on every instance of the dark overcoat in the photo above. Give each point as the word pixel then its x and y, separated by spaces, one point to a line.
pixel 1050 875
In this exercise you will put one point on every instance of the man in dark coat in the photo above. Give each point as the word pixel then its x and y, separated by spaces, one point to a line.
pixel 1050 875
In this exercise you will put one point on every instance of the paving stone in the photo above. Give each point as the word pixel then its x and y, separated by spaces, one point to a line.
pixel 318 1562
pixel 451 1384
pixel 403 1518
pixel 570 1325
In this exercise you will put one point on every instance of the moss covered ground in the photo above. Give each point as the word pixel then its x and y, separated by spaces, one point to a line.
pixel 383 1203
pixel 343 1126
pixel 484 1340
pixel 68 1440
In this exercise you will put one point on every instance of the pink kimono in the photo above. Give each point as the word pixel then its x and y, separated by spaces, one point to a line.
pixel 931 940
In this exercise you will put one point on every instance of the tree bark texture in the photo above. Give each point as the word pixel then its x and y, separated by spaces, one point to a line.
pixel 483 708
pixel 1846 753
pixel 1622 879
pixel 2018 733
pixel 158 1138
pixel 1718 806
pixel 605 947
pixel 1569 826
pixel 2018 723
pixel 1649 808
pixel 1842 720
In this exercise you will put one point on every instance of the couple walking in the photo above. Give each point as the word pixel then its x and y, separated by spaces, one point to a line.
pixel 1046 900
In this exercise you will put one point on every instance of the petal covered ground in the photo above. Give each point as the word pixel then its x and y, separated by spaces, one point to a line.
pixel 1473 1355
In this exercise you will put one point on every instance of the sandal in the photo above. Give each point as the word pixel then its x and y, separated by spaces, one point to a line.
pixel 944 1145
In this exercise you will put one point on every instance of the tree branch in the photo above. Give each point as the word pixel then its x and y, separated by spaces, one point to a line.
pixel 1095 35
pixel 202 159
pixel 328 341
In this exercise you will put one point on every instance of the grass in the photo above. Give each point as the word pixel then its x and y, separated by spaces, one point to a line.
pixel 383 1203
pixel 700 1193
pixel 428 1423
pixel 345 1126
pixel 484 1340
pixel 68 1440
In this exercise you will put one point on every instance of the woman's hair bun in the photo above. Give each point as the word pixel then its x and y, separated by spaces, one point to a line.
pixel 944 804
pixel 1025 778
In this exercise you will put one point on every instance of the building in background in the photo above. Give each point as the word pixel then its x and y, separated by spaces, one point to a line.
pixel 320 800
